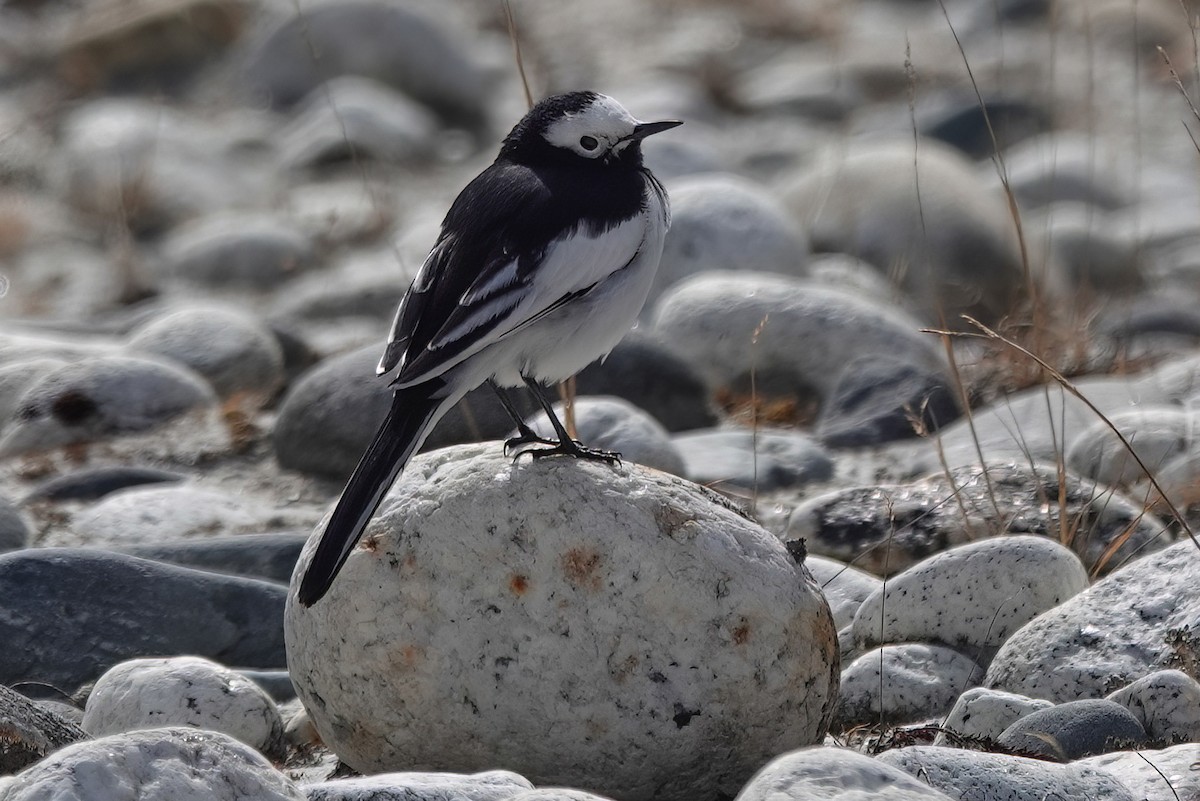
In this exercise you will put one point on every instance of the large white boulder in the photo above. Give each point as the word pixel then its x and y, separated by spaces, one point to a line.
pixel 603 627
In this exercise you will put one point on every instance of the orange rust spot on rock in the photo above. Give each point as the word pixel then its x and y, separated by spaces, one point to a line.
pixel 580 565
pixel 411 655
pixel 518 584
pixel 741 633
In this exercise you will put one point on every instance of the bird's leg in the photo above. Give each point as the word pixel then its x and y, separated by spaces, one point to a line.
pixel 565 445
pixel 526 435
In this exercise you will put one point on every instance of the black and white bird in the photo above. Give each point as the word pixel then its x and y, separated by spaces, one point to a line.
pixel 542 265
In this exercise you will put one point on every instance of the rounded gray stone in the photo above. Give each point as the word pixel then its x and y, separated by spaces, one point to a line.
pixel 352 118
pixel 1136 620
pixel 99 398
pixel 981 714
pixel 589 625
pixel 972 597
pixel 742 459
pixel 723 222
pixel 1154 775
pixel 492 785
pixel 923 215
pixel 165 764
pixel 236 353
pixel 1000 777
pixel 834 774
pixel 845 587
pixel 111 607
pixel 918 682
pixel 148 515
pixel 1157 434
pixel 1075 729
pixel 189 691
pixel 247 250
pixel 613 424
pixel 16 377
pixel 1166 703
pixel 14 531
pixel 806 333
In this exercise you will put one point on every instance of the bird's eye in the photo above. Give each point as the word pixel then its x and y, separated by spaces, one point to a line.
pixel 588 143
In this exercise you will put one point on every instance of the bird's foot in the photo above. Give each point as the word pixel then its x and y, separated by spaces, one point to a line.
pixel 526 436
pixel 575 448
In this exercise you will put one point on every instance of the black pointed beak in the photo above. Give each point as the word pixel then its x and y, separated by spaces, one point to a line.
pixel 644 129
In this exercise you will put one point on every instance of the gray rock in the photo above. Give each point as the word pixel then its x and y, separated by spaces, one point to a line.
pixel 266 556
pixel 93 483
pixel 111 607
pixel 493 785
pixel 353 119
pixel 1166 775
pixel 723 222
pixel 343 211
pixel 878 400
pixel 276 683
pixel 245 250
pixel 1166 703
pixel 999 777
pixel 1141 618
pixel 31 732
pixel 1075 729
pixel 17 377
pixel 236 353
pixel 806 334
pixel 1092 257
pixel 1157 434
pixel 14 531
pixel 1065 167
pixel 887 528
pixel 834 774
pixel 981 714
pixel 613 424
pixel 741 459
pixel 100 398
pixel 652 378
pixel 845 587
pixel 392 44
pixel 587 582
pixel 971 597
pixel 918 682
pixel 168 764
pixel 182 691
pixel 951 239
pixel 958 118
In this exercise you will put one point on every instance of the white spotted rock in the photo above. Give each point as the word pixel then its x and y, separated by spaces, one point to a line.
pixel 1168 774
pixel 1000 777
pixel 834 774
pixel 983 714
pixel 167 764
pixel 973 597
pixel 1125 626
pixel 587 625
pixel 493 785
pixel 1166 703
pixel 182 691
pixel 235 352
pixel 903 684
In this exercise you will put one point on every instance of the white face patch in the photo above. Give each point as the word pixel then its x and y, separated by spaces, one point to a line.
pixel 594 131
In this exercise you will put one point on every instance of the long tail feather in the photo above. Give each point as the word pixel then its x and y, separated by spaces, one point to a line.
pixel 413 412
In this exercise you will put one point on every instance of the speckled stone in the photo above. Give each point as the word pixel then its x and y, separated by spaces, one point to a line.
pixel 514 602
pixel 1000 777
pixel 1166 703
pixel 845 587
pixel 494 785
pixel 1137 620
pixel 983 714
pixel 834 774
pixel 1166 775
pixel 182 691
pixel 919 682
pixel 168 764
pixel 972 597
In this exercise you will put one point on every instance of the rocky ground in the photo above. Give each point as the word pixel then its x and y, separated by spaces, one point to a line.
pixel 845 555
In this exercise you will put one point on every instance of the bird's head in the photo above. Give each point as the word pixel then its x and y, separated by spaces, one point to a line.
pixel 580 127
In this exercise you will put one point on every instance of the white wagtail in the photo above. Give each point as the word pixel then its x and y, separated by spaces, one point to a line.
pixel 542 265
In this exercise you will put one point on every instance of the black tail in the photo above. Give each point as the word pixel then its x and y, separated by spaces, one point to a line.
pixel 402 432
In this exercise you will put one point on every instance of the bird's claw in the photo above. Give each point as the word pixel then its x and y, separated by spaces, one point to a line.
pixel 578 450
